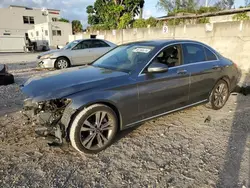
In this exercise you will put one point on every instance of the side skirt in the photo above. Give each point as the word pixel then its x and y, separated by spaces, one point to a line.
pixel 165 113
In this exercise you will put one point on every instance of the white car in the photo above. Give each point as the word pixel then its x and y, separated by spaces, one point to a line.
pixel 78 52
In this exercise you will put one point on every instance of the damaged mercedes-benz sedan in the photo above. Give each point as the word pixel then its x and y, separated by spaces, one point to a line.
pixel 132 83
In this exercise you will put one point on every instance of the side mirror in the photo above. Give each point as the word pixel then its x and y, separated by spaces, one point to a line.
pixel 157 68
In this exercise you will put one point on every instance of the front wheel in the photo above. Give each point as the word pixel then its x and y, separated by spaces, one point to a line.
pixel 62 63
pixel 93 129
pixel 219 95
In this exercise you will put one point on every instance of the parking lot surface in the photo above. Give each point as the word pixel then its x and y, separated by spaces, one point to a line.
pixel 197 147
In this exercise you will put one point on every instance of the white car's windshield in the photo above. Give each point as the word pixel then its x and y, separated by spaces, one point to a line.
pixel 124 58
pixel 71 44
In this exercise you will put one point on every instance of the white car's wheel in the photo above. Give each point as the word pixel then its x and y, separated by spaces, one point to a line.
pixel 62 63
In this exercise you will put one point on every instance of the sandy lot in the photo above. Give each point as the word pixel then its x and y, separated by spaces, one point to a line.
pixel 178 150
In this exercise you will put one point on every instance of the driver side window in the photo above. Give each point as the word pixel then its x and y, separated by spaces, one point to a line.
pixel 171 56
pixel 82 45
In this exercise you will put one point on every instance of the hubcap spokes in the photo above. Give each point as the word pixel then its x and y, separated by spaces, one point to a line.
pixel 220 95
pixel 62 64
pixel 96 130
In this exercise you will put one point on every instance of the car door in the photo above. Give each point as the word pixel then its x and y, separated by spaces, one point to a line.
pixel 98 48
pixel 204 68
pixel 81 53
pixel 165 91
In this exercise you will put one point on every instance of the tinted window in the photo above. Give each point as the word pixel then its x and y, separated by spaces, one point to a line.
pixel 210 55
pixel 170 56
pixel 98 44
pixel 193 53
pixel 83 45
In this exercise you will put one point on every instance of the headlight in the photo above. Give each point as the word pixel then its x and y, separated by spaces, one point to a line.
pixel 47 56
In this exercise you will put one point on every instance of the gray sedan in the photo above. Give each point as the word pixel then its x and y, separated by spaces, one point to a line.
pixel 78 52
pixel 129 85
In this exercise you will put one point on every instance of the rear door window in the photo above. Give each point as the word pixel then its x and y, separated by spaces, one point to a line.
pixel 98 44
pixel 210 55
pixel 193 53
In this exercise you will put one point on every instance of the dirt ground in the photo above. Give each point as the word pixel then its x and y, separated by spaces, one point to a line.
pixel 178 150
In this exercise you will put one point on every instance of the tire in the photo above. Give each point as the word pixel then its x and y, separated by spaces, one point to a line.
pixel 62 63
pixel 84 138
pixel 7 79
pixel 219 95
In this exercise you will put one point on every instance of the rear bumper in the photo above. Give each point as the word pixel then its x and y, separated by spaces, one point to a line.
pixel 46 63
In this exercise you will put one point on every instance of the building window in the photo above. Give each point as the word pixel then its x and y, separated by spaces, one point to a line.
pixel 28 20
pixel 56 32
pixel 46 33
pixel 25 19
pixel 54 19
pixel 37 33
pixel 32 20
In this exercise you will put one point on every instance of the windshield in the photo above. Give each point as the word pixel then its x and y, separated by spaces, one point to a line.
pixel 71 44
pixel 124 58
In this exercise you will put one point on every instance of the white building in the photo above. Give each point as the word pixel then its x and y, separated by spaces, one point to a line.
pixel 50 34
pixel 41 25
pixel 16 20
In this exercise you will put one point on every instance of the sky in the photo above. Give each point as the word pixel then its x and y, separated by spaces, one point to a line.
pixel 76 9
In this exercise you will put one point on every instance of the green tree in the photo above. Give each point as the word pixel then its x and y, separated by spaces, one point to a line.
pixel 225 4
pixel 125 20
pixel 76 26
pixel 151 21
pixel 63 20
pixel 177 5
pixel 111 12
pixel 139 23
pixel 241 16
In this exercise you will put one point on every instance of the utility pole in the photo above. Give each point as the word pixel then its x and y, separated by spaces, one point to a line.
pixel 206 3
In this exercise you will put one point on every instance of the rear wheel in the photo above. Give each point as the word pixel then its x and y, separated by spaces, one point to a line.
pixel 219 95
pixel 62 63
pixel 93 129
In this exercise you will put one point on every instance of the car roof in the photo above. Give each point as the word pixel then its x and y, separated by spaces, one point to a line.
pixel 161 42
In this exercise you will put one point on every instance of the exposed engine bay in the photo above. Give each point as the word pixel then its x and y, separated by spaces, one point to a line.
pixel 47 116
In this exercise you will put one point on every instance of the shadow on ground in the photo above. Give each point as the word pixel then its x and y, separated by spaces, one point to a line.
pixel 237 150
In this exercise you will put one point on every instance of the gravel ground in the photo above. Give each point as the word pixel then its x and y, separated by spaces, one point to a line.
pixel 178 150
pixel 22 66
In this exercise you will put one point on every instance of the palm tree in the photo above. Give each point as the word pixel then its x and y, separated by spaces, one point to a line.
pixel 141 8
pixel 76 26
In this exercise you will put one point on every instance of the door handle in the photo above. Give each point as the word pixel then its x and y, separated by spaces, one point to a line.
pixel 183 71
pixel 216 67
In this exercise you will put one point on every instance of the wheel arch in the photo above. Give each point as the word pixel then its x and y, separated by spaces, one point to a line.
pixel 107 103
pixel 226 79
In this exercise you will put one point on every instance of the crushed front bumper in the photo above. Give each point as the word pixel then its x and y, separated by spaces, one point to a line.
pixel 48 121
pixel 46 63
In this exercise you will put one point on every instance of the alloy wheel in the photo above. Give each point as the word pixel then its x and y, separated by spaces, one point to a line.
pixel 97 130
pixel 220 95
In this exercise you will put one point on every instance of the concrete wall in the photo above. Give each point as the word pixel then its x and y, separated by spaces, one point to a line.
pixel 231 39
pixel 11 19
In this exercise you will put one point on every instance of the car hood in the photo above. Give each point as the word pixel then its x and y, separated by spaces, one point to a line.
pixel 59 84
pixel 50 52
